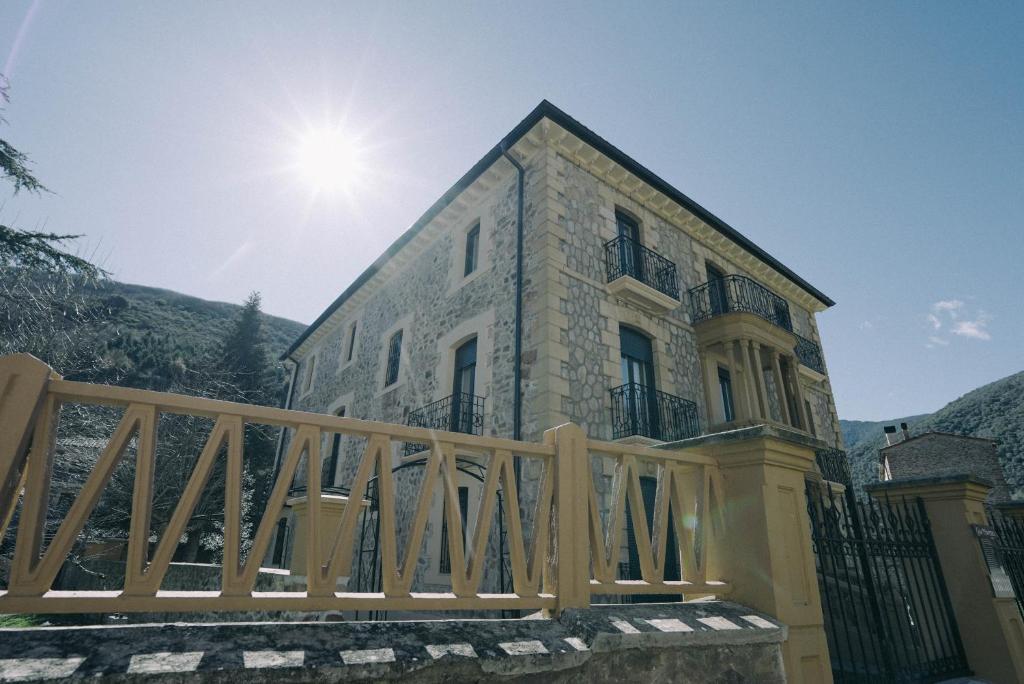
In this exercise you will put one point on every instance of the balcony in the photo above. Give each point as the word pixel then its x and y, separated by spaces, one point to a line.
pixel 833 465
pixel 809 355
pixel 638 410
pixel 641 276
pixel 737 293
pixel 462 413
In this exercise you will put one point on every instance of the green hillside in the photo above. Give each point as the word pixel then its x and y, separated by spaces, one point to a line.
pixel 193 322
pixel 995 411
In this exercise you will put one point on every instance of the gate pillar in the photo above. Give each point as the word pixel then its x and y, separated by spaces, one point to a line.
pixel 768 557
pixel 991 628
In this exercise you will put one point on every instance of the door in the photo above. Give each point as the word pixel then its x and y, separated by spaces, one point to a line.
pixel 649 489
pixel 716 291
pixel 637 363
pixel 630 262
pixel 464 387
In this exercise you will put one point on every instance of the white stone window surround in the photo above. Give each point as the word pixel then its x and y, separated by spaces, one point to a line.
pixel 405 325
pixel 308 376
pixel 662 363
pixel 346 356
pixel 484 259
pixel 433 574
pixel 481 327
pixel 343 402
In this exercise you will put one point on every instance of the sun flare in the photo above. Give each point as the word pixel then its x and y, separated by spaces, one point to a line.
pixel 328 160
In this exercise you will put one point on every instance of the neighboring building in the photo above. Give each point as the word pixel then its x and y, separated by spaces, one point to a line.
pixel 637 314
pixel 933 454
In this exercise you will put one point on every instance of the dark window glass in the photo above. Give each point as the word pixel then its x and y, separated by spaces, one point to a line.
pixel 446 558
pixel 717 291
pixel 464 387
pixel 472 248
pixel 394 359
pixel 725 383
pixel 649 490
pixel 282 530
pixel 351 343
pixel 332 463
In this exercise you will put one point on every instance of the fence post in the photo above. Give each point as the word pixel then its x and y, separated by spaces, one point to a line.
pixel 23 381
pixel 570 562
pixel 767 555
pixel 991 628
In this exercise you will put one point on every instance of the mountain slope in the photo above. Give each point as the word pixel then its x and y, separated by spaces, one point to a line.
pixel 995 411
pixel 194 322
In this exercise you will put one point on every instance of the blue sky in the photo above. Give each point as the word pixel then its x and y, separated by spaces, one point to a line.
pixel 875 148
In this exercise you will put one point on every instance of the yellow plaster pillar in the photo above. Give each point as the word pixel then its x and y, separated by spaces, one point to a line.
pixel 768 558
pixel 762 387
pixel 990 628
pixel 331 508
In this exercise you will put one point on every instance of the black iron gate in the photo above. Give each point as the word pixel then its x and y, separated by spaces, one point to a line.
pixel 888 616
pixel 1008 546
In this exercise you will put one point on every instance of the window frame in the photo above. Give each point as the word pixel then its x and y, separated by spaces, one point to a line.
pixel 309 377
pixel 393 358
pixel 471 251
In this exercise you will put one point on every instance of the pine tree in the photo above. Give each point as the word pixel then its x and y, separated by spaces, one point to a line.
pixel 247 370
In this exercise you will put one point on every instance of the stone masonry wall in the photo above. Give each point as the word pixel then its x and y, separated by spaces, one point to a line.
pixel 935 454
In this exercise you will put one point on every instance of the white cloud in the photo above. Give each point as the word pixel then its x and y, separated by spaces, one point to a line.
pixel 951 306
pixel 974 329
pixel 961 323
pixel 867 325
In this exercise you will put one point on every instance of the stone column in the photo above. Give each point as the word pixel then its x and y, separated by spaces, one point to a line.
pixel 759 377
pixel 798 393
pixel 331 508
pixel 990 628
pixel 741 398
pixel 768 557
pixel 710 388
pixel 754 368
pixel 780 387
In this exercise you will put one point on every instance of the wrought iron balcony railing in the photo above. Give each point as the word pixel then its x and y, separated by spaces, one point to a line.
pixel 739 293
pixel 456 413
pixel 809 354
pixel 641 410
pixel 834 465
pixel 627 257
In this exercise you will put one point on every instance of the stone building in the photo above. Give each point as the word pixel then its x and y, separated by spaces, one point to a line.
pixel 559 280
pixel 940 453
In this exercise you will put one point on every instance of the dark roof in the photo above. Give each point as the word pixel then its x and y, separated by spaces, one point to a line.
pixel 938 433
pixel 547 110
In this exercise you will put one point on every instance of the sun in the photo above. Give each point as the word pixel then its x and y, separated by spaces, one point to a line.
pixel 328 160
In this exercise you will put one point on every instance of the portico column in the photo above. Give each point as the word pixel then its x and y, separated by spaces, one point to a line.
pixel 756 407
pixel 798 393
pixel 759 377
pixel 780 388
pixel 710 386
pixel 744 408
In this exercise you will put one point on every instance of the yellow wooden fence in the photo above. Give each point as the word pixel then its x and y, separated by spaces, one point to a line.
pixel 569 554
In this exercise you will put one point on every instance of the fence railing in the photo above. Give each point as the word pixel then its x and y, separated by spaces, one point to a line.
pixel 627 257
pixel 1009 550
pixel 738 293
pixel 554 562
pixel 834 465
pixel 647 412
pixel 458 412
pixel 809 354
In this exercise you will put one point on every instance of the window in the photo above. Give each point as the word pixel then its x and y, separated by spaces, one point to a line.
pixel 332 462
pixel 307 380
pixel 351 348
pixel 810 419
pixel 394 359
pixel 279 542
pixel 472 250
pixel 725 384
pixel 446 558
